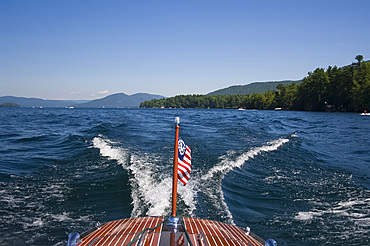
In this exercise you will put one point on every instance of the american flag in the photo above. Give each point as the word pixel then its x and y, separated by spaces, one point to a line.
pixel 180 241
pixel 184 162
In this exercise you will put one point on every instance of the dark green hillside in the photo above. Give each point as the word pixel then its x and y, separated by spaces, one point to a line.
pixel 10 105
pixel 345 89
pixel 249 89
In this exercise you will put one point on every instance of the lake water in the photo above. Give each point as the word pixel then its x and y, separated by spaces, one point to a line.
pixel 302 178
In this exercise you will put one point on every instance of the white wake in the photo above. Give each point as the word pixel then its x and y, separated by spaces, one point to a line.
pixel 213 189
pixel 151 181
pixel 151 178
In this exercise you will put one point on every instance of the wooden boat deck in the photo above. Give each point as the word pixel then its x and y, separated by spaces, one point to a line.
pixel 217 233
pixel 134 231
pixel 122 232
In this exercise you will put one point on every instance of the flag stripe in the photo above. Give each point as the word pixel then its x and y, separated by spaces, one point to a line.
pixel 184 169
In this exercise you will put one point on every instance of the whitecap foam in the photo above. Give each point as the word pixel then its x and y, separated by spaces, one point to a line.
pixel 61 217
pixel 151 186
pixel 352 203
pixel 354 210
pixel 214 189
pixel 107 150
pixel 227 164
pixel 188 194
pixel 304 216
pixel 154 192
pixel 37 222
pixel 294 135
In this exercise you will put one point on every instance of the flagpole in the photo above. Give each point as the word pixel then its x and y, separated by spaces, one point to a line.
pixel 175 163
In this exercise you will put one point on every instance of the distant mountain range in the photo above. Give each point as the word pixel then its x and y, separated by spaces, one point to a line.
pixel 119 100
pixel 37 102
pixel 256 87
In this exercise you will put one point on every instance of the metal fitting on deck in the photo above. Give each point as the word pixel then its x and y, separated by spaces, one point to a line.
pixel 270 242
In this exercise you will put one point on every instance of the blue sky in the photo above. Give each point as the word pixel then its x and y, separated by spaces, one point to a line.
pixel 55 49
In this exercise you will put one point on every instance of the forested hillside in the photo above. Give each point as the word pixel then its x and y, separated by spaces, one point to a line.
pixel 256 87
pixel 345 89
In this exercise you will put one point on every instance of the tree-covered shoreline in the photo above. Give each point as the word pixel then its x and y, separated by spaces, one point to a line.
pixel 345 89
pixel 9 105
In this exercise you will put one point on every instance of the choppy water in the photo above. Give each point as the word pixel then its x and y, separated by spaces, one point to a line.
pixel 302 178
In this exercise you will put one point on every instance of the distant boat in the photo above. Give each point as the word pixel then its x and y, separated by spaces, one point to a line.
pixel 365 114
pixel 171 231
